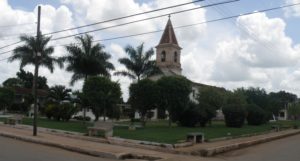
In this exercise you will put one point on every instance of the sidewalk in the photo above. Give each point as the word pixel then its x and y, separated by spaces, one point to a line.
pixel 92 148
pixel 95 147
pixel 213 148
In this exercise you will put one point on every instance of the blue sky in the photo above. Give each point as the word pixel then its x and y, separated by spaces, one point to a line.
pixel 243 6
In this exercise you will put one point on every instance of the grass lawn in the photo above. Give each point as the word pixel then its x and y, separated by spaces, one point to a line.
pixel 158 131
pixel 74 126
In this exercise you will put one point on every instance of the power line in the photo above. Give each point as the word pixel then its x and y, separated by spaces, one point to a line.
pixel 200 23
pixel 177 12
pixel 15 43
pixel 145 19
pixel 15 35
pixel 124 17
pixel 6 52
pixel 243 28
pixel 16 25
pixel 185 26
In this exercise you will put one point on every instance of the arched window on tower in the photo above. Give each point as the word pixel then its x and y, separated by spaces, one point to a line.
pixel 175 57
pixel 163 56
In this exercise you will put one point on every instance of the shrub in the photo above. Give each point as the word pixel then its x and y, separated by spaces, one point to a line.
pixel 60 111
pixel 67 110
pixel 196 113
pixel 234 115
pixel 208 112
pixel 49 110
pixel 256 115
pixel 189 116
pixel 18 108
pixel 81 118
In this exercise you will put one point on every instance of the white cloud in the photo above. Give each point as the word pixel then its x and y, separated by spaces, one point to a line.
pixel 211 54
pixel 52 19
pixel 293 11
pixel 266 59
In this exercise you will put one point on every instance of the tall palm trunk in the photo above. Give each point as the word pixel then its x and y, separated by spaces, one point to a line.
pixel 84 108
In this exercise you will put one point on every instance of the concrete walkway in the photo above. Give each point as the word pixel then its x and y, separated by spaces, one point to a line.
pixel 92 148
pixel 95 147
pixel 213 148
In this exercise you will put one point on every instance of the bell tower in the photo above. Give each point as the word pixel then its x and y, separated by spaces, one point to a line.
pixel 168 52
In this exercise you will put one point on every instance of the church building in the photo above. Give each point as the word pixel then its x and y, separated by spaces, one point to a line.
pixel 168 58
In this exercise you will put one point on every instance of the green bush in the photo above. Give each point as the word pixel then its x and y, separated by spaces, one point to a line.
pixel 49 109
pixel 234 115
pixel 81 118
pixel 189 117
pixel 19 108
pixel 208 112
pixel 196 114
pixel 67 110
pixel 59 112
pixel 255 115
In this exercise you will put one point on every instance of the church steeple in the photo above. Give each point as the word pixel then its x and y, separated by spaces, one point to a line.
pixel 168 52
pixel 168 36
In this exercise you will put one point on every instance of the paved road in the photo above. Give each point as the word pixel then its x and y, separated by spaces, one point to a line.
pixel 287 149
pixel 280 150
pixel 14 150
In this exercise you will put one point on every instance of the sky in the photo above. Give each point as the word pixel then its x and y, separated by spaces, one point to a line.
pixel 260 50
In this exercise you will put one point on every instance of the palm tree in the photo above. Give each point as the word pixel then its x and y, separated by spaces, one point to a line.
pixel 139 64
pixel 35 51
pixel 59 93
pixel 86 59
pixel 33 45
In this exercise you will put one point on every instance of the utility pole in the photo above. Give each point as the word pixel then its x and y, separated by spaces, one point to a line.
pixel 36 70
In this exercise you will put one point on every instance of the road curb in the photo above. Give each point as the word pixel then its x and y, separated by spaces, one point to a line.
pixel 62 146
pixel 222 149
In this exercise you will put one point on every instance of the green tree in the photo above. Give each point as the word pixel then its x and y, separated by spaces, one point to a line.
pixel 12 82
pixel 87 59
pixel 236 97
pixel 210 100
pixel 59 93
pixel 80 100
pixel 143 97
pixel 102 94
pixel 215 97
pixel 280 100
pixel 139 64
pixel 255 115
pixel 256 96
pixel 294 111
pixel 27 80
pixel 235 115
pixel 33 45
pixel 173 95
pixel 35 51
pixel 6 97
